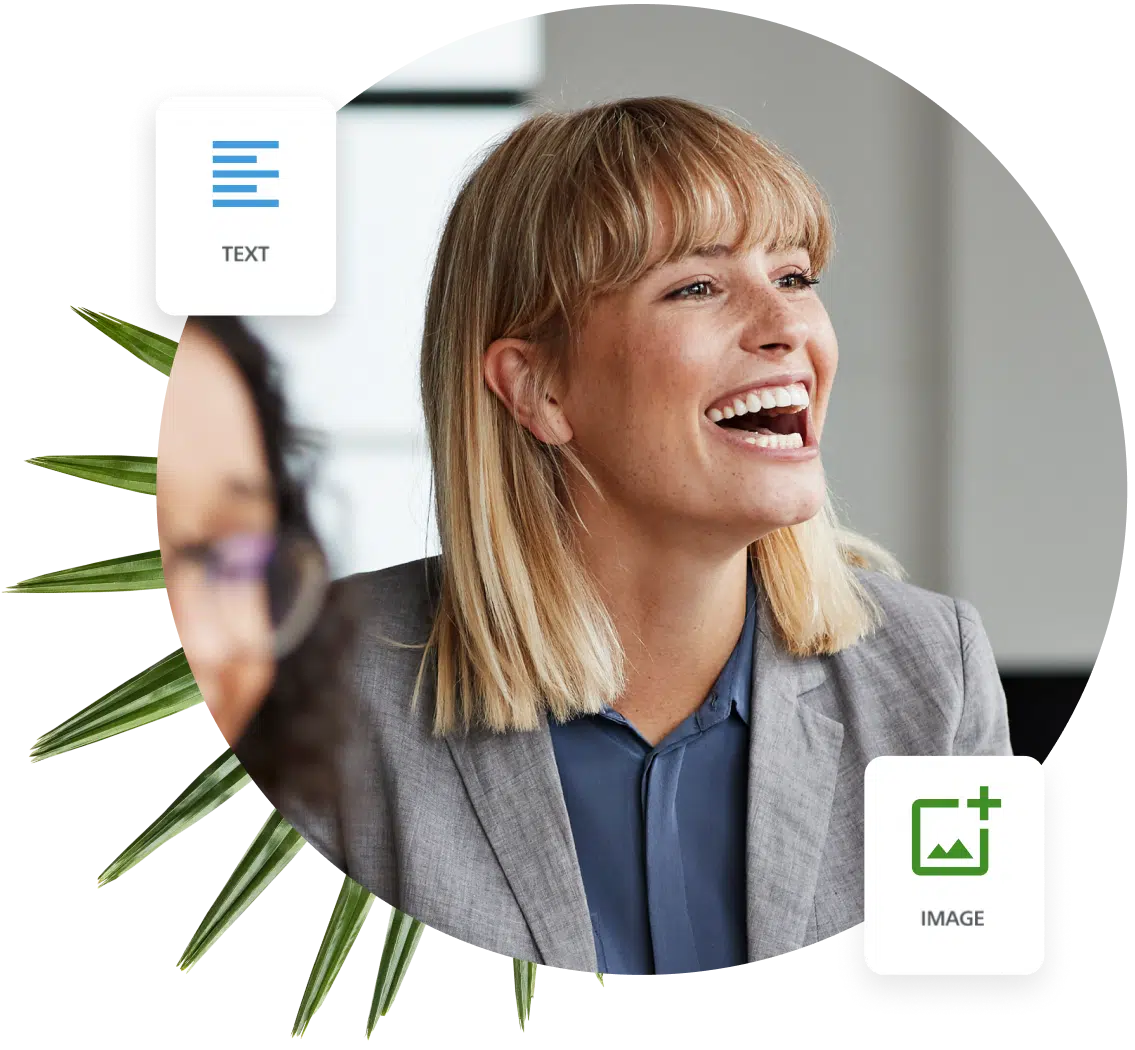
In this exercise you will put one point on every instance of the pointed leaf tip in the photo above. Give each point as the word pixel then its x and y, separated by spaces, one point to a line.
pixel 133 473
pixel 347 917
pixel 155 350
pixel 133 572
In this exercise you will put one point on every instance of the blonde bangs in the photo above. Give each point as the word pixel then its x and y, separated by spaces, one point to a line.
pixel 715 181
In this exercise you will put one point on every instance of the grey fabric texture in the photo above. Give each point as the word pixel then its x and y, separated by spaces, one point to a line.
pixel 470 833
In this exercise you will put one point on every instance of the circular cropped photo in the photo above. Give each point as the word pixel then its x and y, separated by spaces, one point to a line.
pixel 618 719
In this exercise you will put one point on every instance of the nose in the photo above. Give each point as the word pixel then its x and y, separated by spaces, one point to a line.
pixel 772 324
pixel 212 643
pixel 222 627
pixel 227 641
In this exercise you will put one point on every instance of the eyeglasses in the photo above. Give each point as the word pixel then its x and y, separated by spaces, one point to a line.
pixel 255 585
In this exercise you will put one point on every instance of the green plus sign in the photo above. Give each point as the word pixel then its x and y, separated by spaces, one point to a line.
pixel 984 802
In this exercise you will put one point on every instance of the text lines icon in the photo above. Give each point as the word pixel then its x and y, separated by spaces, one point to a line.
pixel 920 859
pixel 245 206
pixel 248 177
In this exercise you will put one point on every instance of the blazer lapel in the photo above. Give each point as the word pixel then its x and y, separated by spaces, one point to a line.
pixel 514 786
pixel 793 761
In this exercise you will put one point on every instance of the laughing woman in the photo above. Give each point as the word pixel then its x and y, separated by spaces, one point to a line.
pixel 621 723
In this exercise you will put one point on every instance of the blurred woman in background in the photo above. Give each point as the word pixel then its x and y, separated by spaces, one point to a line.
pixel 246 577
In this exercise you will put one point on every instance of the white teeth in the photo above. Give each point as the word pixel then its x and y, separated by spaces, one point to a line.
pixel 770 440
pixel 793 396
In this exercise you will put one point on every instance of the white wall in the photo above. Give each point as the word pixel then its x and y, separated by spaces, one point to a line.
pixel 353 373
pixel 965 337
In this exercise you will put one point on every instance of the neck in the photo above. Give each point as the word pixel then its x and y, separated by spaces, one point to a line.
pixel 678 609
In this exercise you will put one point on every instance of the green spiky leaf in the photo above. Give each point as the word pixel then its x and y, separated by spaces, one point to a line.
pixel 156 350
pixel 219 782
pixel 268 855
pixel 347 918
pixel 163 689
pixel 402 936
pixel 135 473
pixel 524 983
pixel 134 572
pixel 600 976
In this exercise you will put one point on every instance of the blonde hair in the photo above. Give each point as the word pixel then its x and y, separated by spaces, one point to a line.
pixel 560 211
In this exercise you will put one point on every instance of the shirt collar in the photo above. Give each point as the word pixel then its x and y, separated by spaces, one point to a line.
pixel 734 684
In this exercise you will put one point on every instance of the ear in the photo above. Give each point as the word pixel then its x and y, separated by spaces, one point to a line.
pixel 508 369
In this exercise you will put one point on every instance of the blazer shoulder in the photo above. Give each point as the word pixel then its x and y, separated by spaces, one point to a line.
pixel 918 631
pixel 934 646
pixel 396 602
pixel 907 604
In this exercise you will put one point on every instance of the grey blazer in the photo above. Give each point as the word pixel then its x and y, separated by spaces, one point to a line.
pixel 471 834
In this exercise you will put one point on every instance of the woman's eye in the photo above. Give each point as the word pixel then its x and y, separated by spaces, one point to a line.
pixel 238 557
pixel 796 280
pixel 697 290
pixel 243 556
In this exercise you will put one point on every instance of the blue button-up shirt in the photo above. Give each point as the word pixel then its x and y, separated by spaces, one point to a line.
pixel 660 831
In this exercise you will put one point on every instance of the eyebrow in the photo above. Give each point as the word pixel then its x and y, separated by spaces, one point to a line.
pixel 242 491
pixel 712 251
pixel 248 490
pixel 707 251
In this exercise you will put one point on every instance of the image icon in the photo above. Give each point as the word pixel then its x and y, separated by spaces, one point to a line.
pixel 957 851
pixel 929 833
pixel 232 162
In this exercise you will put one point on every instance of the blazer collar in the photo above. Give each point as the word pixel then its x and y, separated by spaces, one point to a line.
pixel 793 761
pixel 514 786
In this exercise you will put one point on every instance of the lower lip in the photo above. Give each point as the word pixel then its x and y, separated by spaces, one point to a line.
pixel 736 438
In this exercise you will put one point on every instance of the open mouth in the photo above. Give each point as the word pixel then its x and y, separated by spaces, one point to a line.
pixel 769 416
pixel 778 422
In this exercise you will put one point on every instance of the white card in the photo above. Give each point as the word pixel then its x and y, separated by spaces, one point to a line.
pixel 245 206
pixel 954 865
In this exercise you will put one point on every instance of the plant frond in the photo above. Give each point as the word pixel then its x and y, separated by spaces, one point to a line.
pixel 156 350
pixel 524 983
pixel 133 572
pixel 135 473
pixel 402 936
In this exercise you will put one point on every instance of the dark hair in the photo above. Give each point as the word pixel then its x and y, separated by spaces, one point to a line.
pixel 289 746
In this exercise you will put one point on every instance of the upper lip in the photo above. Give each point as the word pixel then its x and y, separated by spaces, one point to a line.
pixel 780 379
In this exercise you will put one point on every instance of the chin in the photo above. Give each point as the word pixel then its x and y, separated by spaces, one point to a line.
pixel 765 517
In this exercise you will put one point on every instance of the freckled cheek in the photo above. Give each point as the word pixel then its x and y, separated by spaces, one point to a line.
pixel 825 358
pixel 630 389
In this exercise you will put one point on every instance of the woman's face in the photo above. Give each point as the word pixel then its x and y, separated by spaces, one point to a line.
pixel 697 395
pixel 216 522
